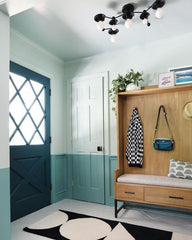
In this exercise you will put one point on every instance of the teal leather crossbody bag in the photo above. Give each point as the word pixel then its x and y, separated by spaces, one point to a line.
pixel 163 144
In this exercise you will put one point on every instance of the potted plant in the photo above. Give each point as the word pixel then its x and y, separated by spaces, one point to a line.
pixel 125 83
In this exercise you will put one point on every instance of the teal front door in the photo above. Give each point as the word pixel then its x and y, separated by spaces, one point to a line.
pixel 87 139
pixel 29 135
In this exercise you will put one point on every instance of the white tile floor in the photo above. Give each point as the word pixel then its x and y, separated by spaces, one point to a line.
pixel 171 222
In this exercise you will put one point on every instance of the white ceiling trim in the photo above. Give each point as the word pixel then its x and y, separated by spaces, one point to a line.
pixel 2 1
pixel 17 6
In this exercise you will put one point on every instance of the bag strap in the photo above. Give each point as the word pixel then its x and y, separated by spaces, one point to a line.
pixel 165 115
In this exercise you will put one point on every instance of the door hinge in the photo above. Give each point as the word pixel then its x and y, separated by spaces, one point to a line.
pixel 72 183
pixel 50 139
pixel 49 92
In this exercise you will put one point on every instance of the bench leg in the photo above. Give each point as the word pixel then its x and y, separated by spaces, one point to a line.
pixel 118 210
pixel 115 208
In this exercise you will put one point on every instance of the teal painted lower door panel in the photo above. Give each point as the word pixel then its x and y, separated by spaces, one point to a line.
pixel 4 204
pixel 88 178
pixel 94 178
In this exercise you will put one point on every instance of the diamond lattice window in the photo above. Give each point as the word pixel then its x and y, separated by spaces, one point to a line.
pixel 26 111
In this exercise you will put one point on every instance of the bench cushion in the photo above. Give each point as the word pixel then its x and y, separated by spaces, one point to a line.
pixel 155 180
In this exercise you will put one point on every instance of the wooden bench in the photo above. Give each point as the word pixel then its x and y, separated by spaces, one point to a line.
pixel 151 189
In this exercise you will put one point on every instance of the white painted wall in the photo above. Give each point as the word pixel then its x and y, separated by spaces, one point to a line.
pixel 30 55
pixel 4 86
pixel 151 58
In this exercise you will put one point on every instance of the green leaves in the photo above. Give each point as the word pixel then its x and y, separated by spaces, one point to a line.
pixel 133 77
pixel 120 83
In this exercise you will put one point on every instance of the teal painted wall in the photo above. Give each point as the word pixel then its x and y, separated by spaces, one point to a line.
pixel 4 204
pixel 61 175
pixel 110 166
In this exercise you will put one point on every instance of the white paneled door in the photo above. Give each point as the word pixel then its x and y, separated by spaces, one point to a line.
pixel 87 139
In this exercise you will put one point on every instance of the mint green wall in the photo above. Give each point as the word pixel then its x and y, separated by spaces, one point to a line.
pixel 30 55
pixel 4 129
pixel 149 57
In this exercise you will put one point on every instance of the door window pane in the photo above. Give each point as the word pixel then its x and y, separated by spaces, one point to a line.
pixel 27 111
pixel 42 99
pixel 36 86
pixel 17 140
pixel 17 110
pixel 42 129
pixel 17 79
pixel 27 128
pixel 27 94
pixel 12 127
pixel 12 90
pixel 34 110
pixel 36 140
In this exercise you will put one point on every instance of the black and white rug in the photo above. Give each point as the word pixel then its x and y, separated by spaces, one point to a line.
pixel 65 225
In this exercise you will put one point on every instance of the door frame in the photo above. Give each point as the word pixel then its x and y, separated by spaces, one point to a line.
pixel 106 120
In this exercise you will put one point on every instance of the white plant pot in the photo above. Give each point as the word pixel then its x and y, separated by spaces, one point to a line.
pixel 132 87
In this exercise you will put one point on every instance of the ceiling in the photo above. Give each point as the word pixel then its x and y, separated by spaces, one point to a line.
pixel 67 28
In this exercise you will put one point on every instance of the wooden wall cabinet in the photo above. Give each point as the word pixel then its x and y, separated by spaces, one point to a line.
pixel 155 162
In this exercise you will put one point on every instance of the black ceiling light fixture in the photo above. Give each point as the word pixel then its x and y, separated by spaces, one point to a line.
pixel 128 12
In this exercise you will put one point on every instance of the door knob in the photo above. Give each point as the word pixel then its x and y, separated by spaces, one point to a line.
pixel 99 148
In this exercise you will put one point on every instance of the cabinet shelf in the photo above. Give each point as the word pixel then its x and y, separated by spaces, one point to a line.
pixel 155 90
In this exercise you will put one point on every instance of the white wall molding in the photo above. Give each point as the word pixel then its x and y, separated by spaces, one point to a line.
pixel 2 1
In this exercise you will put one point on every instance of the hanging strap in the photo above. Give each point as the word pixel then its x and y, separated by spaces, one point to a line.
pixel 165 115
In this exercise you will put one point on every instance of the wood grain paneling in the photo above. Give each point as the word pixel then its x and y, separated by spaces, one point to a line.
pixel 129 192
pixel 169 196
pixel 147 102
